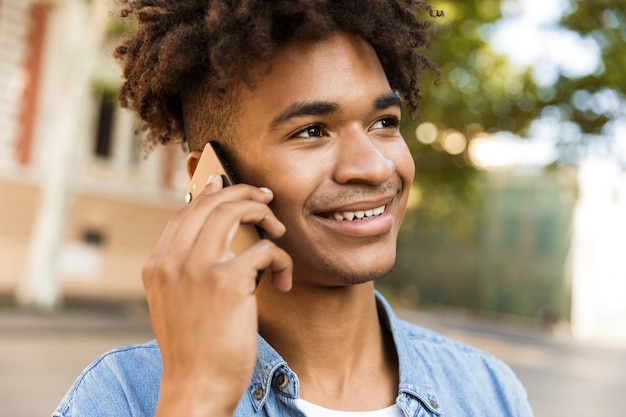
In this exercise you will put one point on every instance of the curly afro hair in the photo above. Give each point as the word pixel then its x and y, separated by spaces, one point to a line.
pixel 183 46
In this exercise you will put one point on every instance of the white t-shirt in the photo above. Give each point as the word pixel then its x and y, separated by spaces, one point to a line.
pixel 312 410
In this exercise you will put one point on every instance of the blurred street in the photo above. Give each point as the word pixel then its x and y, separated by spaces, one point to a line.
pixel 563 378
pixel 41 355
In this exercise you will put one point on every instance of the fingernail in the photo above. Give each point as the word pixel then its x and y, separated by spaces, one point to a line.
pixel 210 179
pixel 265 190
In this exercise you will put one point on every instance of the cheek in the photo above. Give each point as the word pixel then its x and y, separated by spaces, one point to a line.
pixel 295 174
pixel 291 186
pixel 286 179
pixel 290 183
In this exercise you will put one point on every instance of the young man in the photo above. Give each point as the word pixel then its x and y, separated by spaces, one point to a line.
pixel 304 97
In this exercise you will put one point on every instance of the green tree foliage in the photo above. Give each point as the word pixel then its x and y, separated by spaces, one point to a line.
pixel 594 103
pixel 481 92
pixel 478 92
pixel 478 86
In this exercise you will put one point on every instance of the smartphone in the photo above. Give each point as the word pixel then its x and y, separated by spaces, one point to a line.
pixel 214 162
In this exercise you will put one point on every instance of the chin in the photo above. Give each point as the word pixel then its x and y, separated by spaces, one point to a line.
pixel 361 278
pixel 358 274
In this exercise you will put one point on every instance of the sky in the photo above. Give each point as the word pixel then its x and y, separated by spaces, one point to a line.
pixel 530 35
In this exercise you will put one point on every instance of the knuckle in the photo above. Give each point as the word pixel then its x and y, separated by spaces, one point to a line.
pixel 148 266
pixel 203 196
pixel 147 269
pixel 203 199
pixel 177 218
pixel 166 267
pixel 223 208
pixel 190 271
pixel 221 277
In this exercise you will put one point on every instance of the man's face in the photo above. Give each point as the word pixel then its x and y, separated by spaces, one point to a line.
pixel 321 131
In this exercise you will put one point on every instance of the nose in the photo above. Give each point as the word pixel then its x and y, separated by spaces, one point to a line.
pixel 360 159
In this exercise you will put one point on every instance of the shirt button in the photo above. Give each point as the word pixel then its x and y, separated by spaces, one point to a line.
pixel 257 393
pixel 282 380
pixel 434 404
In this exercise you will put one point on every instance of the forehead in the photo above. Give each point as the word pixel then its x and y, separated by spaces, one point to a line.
pixel 340 68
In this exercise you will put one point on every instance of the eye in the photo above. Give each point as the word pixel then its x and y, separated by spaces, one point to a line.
pixel 311 131
pixel 388 122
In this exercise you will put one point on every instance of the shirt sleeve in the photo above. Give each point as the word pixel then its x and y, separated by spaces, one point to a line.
pixel 121 383
pixel 509 389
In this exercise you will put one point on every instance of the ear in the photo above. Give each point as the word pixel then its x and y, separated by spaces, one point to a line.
pixel 192 162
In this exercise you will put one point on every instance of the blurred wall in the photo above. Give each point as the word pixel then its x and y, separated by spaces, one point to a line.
pixel 598 249
pixel 513 256
pixel 66 147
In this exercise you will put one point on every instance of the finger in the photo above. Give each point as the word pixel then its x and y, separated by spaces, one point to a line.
pixel 265 255
pixel 198 211
pixel 151 264
pixel 214 183
pixel 215 238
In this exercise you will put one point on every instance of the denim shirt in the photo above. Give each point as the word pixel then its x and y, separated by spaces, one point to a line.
pixel 438 377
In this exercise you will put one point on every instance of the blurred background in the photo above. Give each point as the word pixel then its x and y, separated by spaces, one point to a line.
pixel 514 240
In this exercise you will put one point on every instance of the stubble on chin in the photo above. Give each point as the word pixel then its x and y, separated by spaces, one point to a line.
pixel 345 277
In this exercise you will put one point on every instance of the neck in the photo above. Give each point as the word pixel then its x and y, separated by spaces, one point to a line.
pixel 333 340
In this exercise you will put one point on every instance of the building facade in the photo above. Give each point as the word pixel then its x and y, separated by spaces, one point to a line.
pixel 81 205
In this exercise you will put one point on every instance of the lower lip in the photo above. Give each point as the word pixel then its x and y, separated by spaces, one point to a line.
pixel 361 228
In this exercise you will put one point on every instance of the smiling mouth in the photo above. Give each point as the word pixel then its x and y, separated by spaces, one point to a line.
pixel 356 215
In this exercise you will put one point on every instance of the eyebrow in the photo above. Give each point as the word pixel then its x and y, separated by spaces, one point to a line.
pixel 388 100
pixel 321 108
pixel 298 109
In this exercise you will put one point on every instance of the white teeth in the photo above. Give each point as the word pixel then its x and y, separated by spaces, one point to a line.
pixel 359 215
pixel 348 215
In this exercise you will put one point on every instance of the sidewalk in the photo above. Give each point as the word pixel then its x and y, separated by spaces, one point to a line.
pixel 41 355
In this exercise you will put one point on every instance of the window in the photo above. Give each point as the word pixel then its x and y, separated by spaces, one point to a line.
pixel 103 143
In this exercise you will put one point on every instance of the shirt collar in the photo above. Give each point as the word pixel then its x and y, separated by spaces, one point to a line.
pixel 414 380
pixel 270 370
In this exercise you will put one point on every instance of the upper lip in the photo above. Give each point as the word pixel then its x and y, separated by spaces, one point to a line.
pixel 356 206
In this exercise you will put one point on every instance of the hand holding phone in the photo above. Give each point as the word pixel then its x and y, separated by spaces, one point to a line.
pixel 214 162
pixel 202 301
